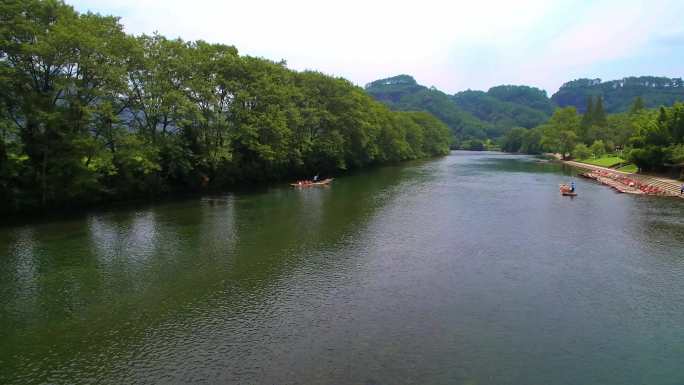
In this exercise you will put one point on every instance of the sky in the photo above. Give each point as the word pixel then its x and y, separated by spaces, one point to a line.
pixel 452 45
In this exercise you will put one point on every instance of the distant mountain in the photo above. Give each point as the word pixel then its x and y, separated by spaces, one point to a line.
pixel 514 112
pixel 531 97
pixel 479 114
pixel 470 114
pixel 402 92
pixel 618 95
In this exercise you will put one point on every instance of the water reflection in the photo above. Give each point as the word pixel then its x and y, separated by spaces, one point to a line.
pixel 19 275
pixel 132 238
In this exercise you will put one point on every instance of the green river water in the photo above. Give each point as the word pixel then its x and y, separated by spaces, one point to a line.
pixel 469 269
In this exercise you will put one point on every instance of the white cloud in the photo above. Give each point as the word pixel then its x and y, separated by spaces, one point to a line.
pixel 451 44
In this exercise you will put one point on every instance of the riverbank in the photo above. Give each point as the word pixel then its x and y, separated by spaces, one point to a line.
pixel 630 183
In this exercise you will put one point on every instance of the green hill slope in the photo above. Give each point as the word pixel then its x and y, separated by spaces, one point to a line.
pixel 404 93
pixel 470 114
pixel 500 113
pixel 531 97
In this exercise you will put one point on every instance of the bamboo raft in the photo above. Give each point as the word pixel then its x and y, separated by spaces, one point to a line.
pixel 310 183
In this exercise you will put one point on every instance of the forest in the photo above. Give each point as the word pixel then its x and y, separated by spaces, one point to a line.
pixel 90 114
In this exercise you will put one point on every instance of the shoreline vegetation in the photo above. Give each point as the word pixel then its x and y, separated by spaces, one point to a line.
pixel 91 115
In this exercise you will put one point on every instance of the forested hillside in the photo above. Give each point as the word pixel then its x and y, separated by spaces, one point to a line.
pixel 500 113
pixel 89 114
pixel 531 97
pixel 404 94
pixel 618 95
pixel 472 115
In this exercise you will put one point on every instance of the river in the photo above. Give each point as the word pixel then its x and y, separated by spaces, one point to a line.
pixel 468 269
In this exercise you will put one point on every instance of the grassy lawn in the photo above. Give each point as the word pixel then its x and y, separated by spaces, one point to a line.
pixel 629 168
pixel 604 161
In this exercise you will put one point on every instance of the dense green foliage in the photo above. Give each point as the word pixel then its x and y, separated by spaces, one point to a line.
pixel 581 151
pixel 658 138
pixel 559 134
pixel 569 133
pixel 618 95
pixel 522 140
pixel 88 113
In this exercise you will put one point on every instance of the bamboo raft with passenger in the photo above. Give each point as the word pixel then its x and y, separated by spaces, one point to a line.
pixel 567 191
pixel 312 183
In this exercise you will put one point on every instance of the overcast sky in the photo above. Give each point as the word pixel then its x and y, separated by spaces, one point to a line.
pixel 453 45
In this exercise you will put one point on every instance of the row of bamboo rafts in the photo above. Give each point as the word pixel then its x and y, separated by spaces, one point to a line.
pixel 623 183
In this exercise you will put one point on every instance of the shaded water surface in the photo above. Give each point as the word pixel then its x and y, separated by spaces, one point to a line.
pixel 470 269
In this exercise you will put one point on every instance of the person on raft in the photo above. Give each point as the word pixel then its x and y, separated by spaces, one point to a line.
pixel 681 191
pixel 572 186
pixel 315 178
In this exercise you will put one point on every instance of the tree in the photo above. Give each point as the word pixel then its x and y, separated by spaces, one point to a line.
pixel 588 117
pixel 531 143
pixel 598 148
pixel 559 134
pixel 637 105
pixel 581 151
pixel 650 140
pixel 676 154
pixel 513 140
pixel 599 115
pixel 674 122
pixel 66 71
pixel 473 145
